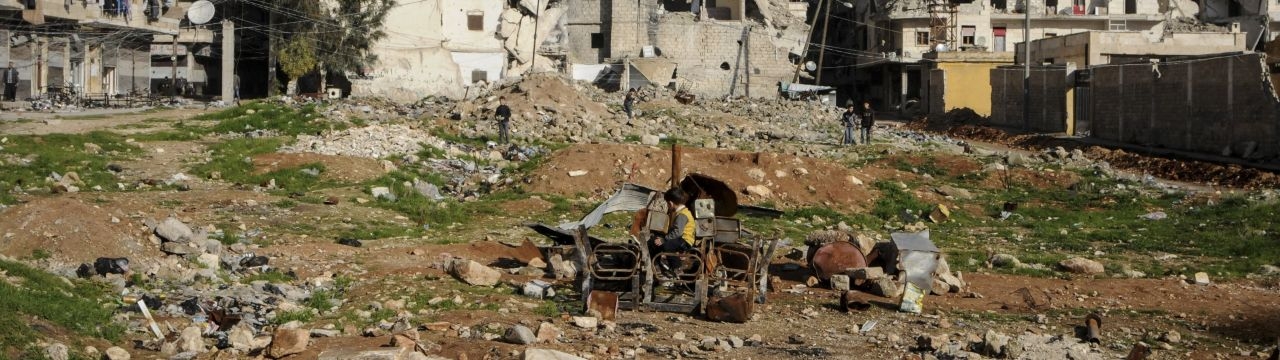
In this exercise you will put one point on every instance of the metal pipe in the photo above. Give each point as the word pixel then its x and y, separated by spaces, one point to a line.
pixel 675 163
pixel 1094 324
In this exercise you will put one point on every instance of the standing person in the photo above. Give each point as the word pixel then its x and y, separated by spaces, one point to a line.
pixel 10 83
pixel 503 113
pixel 679 235
pixel 628 102
pixel 236 87
pixel 868 121
pixel 848 119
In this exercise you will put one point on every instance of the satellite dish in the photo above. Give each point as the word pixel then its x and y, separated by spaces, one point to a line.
pixel 811 66
pixel 200 12
pixel 980 41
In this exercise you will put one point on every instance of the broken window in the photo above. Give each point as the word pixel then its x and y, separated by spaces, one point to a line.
pixel 1049 35
pixel 922 38
pixel 475 21
pixel 1000 4
pixel 1131 6
pixel 479 75
pixel 967 34
pixel 597 41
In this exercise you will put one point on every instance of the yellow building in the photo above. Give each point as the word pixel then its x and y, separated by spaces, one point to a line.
pixel 960 79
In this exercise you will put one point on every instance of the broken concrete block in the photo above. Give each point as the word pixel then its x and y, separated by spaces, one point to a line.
pixel 538 289
pixel 475 273
pixel 548 333
pixel 1079 265
pixel 191 340
pixel 886 287
pixel 1202 278
pixel 866 273
pixel 285 342
pixel 544 354
pixel 586 322
pixel 840 282
pixel 382 192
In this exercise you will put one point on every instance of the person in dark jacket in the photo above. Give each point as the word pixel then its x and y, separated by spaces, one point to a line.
pixel 628 102
pixel 10 83
pixel 868 121
pixel 503 113
pixel 848 119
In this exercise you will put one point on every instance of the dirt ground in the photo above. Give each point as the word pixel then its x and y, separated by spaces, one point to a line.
pixel 1228 319
pixel 793 181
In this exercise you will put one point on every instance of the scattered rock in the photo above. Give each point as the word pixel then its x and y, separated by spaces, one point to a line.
pixel 544 354
pixel 173 230
pixel 955 192
pixel 116 353
pixel 1079 265
pixel 651 140
pixel 548 333
pixel 577 173
pixel 519 335
pixel 1202 278
pixel 191 341
pixel 538 289
pixel 995 344
pixel 759 191
pixel 475 273
pixel 367 354
pixel 586 322
pixel 855 180
pixel 56 351
pixel 1005 261
pixel 288 341
pixel 1172 337
pixel 382 192
pixel 1269 270
pixel 735 342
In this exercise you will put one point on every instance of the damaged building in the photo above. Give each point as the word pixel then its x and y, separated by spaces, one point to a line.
pixel 896 43
pixel 707 48
pixel 90 47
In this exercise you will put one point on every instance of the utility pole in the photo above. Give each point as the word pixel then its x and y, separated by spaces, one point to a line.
pixel 1026 63
pixel 228 61
pixel 746 44
pixel 271 51
pixel 537 16
pixel 804 53
pixel 173 65
pixel 823 50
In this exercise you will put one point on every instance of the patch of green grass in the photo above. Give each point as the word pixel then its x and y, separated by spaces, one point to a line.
pixel 894 200
pixel 76 306
pixel 925 165
pixel 547 309
pixel 285 204
pixel 40 254
pixel 631 138
pixel 232 159
pixel 380 230
pixel 459 139
pixel 320 299
pixel 301 315
pixel 63 153
pixel 287 120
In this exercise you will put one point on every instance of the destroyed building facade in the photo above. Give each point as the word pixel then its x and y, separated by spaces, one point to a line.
pixel 93 47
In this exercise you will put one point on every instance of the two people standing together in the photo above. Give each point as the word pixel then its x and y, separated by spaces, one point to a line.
pixel 851 118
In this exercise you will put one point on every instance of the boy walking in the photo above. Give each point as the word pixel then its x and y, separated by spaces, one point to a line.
pixel 503 113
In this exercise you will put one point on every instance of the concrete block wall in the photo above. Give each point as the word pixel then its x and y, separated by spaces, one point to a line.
pixel 1048 99
pixel 583 18
pixel 629 27
pixel 701 50
pixel 1205 106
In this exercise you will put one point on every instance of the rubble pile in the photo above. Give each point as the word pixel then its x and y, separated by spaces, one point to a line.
pixel 374 141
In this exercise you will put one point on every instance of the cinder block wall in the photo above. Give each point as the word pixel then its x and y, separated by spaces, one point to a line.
pixel 1048 99
pixel 703 49
pixel 1205 106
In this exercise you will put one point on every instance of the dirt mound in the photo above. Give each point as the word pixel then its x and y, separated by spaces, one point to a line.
pixel 69 230
pixel 339 168
pixel 1187 170
pixel 952 118
pixel 1171 168
pixel 792 181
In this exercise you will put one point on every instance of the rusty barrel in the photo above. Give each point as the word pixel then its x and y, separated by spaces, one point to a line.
pixel 835 258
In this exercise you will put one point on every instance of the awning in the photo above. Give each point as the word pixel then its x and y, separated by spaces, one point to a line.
pixel 968 31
